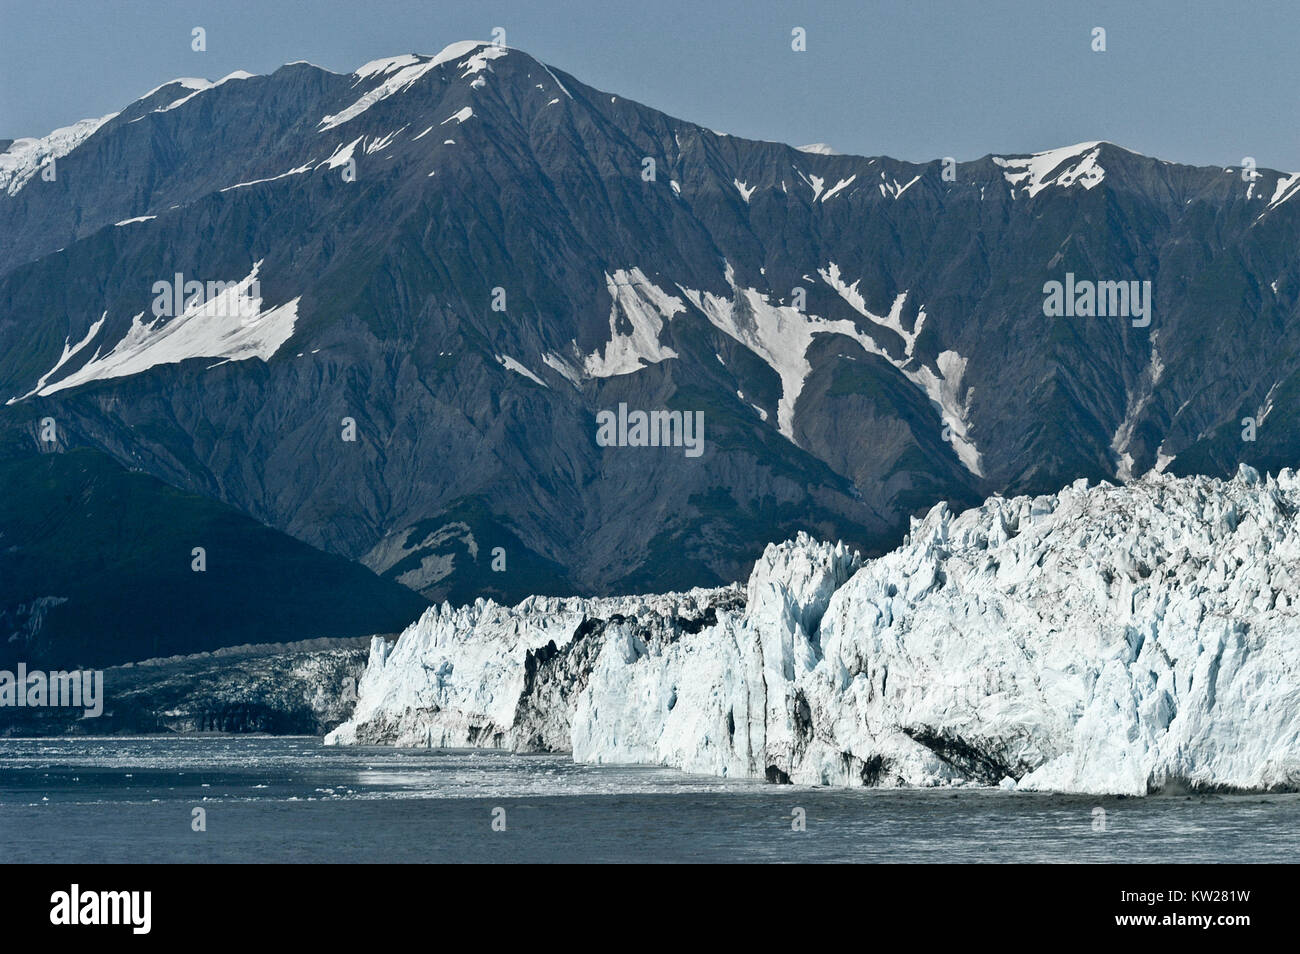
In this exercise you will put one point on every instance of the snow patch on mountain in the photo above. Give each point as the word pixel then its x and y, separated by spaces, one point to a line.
pixel 563 88
pixel 1266 408
pixel 891 189
pixel 1288 187
pixel 306 167
pixel 343 153
pixel 818 149
pixel 781 334
pixel 842 184
pixel 70 351
pixel 404 74
pixel 943 382
pixel 192 84
pixel 479 61
pixel 26 157
pixel 401 72
pixel 816 183
pixel 893 321
pixel 510 364
pixel 1136 404
pixel 232 325
pixel 1060 167
pixel 563 367
pixel 230 77
pixel 1102 639
pixel 634 341
pixel 384 66
pixel 384 141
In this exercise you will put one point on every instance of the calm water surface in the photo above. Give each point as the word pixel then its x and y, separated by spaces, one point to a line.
pixel 120 799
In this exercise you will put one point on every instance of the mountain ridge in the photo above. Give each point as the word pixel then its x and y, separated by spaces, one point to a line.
pixel 920 367
pixel 417 64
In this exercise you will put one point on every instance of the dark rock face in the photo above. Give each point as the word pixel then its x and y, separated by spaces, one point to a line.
pixel 488 180
pixel 97 568
pixel 296 689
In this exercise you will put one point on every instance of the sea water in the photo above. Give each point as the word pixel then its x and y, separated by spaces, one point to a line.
pixel 292 799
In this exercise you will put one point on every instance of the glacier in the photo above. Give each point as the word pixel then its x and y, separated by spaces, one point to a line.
pixel 1106 639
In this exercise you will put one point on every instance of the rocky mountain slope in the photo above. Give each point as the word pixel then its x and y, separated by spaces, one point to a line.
pixel 97 567
pixel 1108 639
pixel 468 256
pixel 301 688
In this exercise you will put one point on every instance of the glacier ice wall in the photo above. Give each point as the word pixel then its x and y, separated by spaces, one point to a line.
pixel 1104 639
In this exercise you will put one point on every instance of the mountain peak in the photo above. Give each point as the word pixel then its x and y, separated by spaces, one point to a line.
pixel 400 72
pixel 188 82
pixel 454 51
pixel 448 54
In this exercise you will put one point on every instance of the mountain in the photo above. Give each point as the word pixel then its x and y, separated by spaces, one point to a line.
pixel 300 688
pixel 97 567
pixel 462 260
pixel 1104 639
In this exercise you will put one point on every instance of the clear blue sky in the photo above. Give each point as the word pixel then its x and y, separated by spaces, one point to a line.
pixel 1191 81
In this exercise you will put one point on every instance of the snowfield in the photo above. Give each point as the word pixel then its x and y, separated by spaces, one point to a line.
pixel 1105 639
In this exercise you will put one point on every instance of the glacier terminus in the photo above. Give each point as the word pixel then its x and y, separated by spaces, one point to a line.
pixel 1105 639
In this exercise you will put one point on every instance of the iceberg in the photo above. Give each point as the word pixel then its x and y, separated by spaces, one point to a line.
pixel 1105 639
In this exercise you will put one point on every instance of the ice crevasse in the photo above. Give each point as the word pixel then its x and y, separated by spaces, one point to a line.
pixel 1105 639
